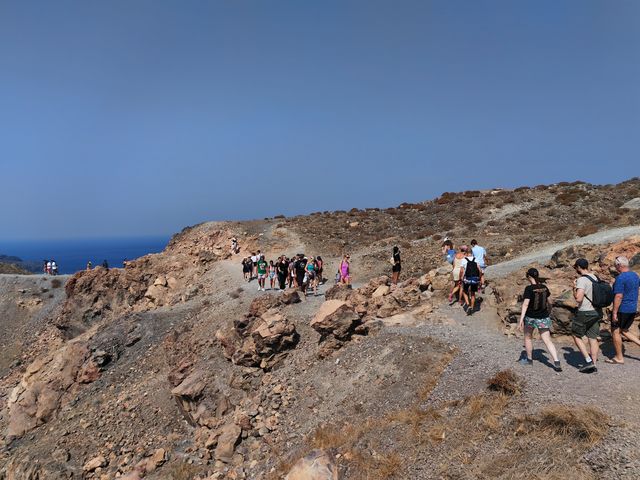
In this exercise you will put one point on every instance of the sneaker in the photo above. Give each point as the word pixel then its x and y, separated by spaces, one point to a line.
pixel 588 368
pixel 469 312
pixel 452 301
pixel 525 361
pixel 557 367
pixel 464 307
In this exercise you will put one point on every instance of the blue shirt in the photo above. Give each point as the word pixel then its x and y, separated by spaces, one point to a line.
pixel 479 252
pixel 627 284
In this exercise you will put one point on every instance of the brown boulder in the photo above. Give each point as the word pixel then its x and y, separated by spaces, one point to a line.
pixel 337 318
pixel 227 441
pixel 340 291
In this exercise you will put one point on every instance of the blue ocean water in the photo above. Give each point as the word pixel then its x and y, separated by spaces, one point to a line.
pixel 73 255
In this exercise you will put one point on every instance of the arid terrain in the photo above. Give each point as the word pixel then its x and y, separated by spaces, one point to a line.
pixel 175 368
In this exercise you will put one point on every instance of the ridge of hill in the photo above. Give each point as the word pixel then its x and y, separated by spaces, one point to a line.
pixel 175 368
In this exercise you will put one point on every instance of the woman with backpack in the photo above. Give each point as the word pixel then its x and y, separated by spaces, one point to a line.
pixel 535 314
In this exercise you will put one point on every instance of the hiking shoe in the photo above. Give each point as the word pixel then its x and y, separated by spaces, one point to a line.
pixel 452 301
pixel 557 367
pixel 464 307
pixel 525 361
pixel 469 312
pixel 588 368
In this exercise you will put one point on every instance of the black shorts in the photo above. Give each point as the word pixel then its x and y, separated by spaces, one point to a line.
pixel 625 320
pixel 469 287
pixel 396 268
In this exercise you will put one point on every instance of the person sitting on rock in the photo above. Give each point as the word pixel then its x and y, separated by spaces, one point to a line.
pixel 535 314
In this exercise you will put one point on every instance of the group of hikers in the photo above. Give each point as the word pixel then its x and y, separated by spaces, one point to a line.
pixel 592 296
pixel 49 267
pixel 469 263
pixel 300 272
pixel 468 266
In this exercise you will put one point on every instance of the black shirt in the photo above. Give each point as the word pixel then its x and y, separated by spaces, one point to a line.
pixel 538 296
pixel 300 265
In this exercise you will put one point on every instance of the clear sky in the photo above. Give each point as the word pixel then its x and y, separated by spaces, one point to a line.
pixel 142 117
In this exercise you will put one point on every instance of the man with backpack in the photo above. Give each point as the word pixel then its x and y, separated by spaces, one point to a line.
pixel 625 307
pixel 592 295
pixel 470 274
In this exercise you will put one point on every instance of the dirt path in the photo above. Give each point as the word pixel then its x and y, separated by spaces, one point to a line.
pixel 544 254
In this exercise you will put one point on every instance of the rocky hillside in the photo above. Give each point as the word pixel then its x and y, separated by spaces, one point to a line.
pixel 175 368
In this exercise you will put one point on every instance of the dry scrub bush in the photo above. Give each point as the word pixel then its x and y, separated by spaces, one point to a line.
pixel 56 283
pixel 506 382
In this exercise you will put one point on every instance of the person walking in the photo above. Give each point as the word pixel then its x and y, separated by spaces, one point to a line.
pixel 262 272
pixel 247 267
pixel 470 274
pixel 89 265
pixel 54 268
pixel 586 321
pixel 448 251
pixel 345 273
pixel 272 275
pixel 48 267
pixel 105 265
pixel 300 267
pixel 481 257
pixel 396 265
pixel 535 314
pixel 283 269
pixel 625 307
pixel 254 265
pixel 234 245
pixel 319 269
pixel 456 291
pixel 312 276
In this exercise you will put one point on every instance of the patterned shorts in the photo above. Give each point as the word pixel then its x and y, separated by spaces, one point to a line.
pixel 539 323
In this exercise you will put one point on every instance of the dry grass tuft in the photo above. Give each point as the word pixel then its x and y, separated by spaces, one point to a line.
pixel 577 422
pixel 506 382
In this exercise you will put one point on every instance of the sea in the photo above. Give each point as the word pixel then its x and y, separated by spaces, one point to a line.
pixel 73 255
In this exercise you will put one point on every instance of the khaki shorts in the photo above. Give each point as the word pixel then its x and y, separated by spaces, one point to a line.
pixel 586 324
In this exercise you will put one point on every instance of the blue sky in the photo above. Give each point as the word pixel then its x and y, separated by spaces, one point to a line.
pixel 137 118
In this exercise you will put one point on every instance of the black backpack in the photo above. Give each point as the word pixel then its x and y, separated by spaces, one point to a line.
pixel 602 293
pixel 540 296
pixel 472 271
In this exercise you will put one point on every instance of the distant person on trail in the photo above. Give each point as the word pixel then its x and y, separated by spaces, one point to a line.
pixel 44 266
pixel 587 319
pixel 470 274
pixel 105 265
pixel 625 306
pixel 535 314
pixel 262 272
pixel 319 267
pixel 292 273
pixel 247 267
pixel 48 267
pixel 312 280
pixel 345 273
pixel 254 265
pixel 272 275
pixel 481 257
pixel 300 269
pixel 54 267
pixel 283 270
pixel 89 265
pixel 396 266
pixel 234 245
pixel 456 276
pixel 448 250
